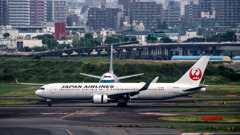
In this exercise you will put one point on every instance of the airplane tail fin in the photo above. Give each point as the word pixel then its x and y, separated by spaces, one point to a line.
pixel 111 61
pixel 194 75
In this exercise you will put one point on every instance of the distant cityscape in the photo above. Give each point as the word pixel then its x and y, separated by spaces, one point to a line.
pixel 23 22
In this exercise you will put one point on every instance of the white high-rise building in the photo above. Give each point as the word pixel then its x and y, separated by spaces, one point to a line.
pixel 19 12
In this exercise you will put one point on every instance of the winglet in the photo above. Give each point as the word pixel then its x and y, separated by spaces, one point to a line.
pixel 155 79
pixel 16 81
pixel 145 87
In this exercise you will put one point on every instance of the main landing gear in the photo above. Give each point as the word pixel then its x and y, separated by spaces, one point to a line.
pixel 122 103
pixel 49 102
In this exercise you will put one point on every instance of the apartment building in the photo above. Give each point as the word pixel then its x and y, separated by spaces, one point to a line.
pixel 3 12
pixel 149 13
pixel 19 12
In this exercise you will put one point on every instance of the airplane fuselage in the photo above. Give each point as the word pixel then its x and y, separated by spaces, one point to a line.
pixel 85 91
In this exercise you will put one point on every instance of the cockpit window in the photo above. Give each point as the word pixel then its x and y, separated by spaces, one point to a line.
pixel 107 76
pixel 42 88
pixel 107 81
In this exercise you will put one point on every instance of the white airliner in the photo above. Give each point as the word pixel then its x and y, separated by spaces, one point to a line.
pixel 101 93
pixel 110 77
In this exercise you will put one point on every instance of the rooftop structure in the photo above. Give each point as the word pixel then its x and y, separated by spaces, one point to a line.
pixel 236 58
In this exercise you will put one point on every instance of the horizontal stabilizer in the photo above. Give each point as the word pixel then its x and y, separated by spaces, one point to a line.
pixel 196 88
pixel 34 84
pixel 129 76
pixel 94 76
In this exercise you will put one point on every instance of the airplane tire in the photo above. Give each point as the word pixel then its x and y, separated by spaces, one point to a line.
pixel 124 104
pixel 49 104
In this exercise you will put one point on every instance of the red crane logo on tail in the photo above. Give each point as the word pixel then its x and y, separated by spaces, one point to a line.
pixel 195 74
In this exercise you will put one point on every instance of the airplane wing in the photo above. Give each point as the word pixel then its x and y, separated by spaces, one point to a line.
pixel 130 93
pixel 35 84
pixel 196 88
pixel 94 76
pixel 129 76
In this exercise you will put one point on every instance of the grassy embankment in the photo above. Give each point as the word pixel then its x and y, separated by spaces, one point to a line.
pixel 50 70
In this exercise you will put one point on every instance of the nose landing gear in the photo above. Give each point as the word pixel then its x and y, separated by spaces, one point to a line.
pixel 49 102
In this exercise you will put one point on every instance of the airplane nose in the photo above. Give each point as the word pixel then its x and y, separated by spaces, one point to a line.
pixel 38 93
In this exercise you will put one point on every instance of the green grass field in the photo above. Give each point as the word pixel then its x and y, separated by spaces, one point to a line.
pixel 17 102
pixel 16 90
pixel 204 110
pixel 204 128
pixel 231 102
pixel 219 91
pixel 188 118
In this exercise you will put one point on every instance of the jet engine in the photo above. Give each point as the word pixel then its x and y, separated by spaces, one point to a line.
pixel 100 99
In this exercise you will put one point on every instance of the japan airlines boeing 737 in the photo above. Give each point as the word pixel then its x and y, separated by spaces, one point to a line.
pixel 110 77
pixel 101 93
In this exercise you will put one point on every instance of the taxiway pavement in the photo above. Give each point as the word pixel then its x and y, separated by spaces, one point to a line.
pixel 74 118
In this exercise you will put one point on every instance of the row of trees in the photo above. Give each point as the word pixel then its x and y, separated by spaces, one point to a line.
pixel 119 39
pixel 86 41
pixel 89 41
pixel 163 40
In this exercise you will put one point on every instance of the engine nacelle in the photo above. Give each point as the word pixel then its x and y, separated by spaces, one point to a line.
pixel 100 99
pixel 203 89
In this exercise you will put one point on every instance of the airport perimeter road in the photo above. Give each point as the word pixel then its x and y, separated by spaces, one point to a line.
pixel 72 118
